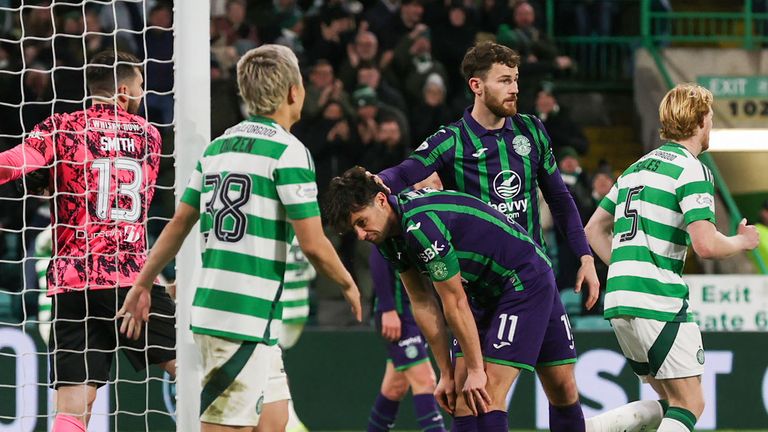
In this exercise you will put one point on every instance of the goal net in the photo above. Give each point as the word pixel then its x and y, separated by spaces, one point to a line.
pixel 44 47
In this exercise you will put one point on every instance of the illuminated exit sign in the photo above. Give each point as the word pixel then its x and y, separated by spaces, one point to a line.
pixel 736 86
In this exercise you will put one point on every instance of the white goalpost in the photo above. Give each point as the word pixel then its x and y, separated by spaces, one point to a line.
pixel 193 133
pixel 34 68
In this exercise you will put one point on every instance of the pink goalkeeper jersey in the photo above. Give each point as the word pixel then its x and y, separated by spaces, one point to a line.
pixel 104 163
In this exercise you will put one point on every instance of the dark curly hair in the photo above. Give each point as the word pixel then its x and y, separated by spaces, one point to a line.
pixel 348 193
pixel 480 58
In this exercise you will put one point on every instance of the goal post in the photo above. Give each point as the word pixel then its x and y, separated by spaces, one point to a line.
pixel 193 133
pixel 29 92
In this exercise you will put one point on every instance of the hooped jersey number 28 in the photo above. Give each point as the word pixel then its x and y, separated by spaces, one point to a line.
pixel 232 191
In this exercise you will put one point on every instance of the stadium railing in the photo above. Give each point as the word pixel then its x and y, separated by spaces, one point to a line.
pixel 605 62
pixel 608 61
pixel 743 28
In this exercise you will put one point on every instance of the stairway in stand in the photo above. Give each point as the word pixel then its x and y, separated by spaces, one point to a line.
pixel 608 121
pixel 617 145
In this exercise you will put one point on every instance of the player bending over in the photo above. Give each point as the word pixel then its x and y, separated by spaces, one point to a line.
pixel 408 364
pixel 475 256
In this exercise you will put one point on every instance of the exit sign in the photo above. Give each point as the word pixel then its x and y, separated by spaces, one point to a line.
pixel 736 86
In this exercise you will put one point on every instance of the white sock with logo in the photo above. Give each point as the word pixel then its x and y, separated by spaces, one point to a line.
pixel 633 417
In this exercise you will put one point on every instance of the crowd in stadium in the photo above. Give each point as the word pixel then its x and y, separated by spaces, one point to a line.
pixel 366 110
pixel 380 77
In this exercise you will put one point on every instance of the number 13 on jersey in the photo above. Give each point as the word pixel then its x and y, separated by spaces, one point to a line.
pixel 132 189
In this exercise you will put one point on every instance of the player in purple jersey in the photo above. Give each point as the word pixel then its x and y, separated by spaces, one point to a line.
pixel 408 364
pixel 501 157
pixel 515 321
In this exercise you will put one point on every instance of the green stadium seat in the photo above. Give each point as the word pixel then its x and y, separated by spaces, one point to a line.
pixel 5 306
pixel 571 301
pixel 590 323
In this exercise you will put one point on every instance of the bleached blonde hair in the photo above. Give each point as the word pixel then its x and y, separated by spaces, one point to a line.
pixel 683 110
pixel 264 75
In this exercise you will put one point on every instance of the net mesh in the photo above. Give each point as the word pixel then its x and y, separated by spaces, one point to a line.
pixel 44 49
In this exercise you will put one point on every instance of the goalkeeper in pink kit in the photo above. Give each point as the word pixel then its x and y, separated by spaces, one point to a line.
pixel 102 163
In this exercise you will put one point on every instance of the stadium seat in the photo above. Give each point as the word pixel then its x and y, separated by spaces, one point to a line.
pixel 5 306
pixel 571 301
pixel 594 322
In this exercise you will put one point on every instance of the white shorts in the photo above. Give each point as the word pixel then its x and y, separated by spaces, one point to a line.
pixel 239 377
pixel 663 350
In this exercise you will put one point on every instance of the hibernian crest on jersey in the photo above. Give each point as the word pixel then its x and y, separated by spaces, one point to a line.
pixel 522 145
pixel 438 269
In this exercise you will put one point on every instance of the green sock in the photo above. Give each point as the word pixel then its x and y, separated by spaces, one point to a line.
pixel 681 415
pixel 664 405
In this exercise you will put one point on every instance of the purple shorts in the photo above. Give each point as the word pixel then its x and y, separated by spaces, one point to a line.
pixel 527 328
pixel 410 349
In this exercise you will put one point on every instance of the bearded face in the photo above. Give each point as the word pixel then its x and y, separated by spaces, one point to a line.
pixel 499 90
pixel 499 105
pixel 134 89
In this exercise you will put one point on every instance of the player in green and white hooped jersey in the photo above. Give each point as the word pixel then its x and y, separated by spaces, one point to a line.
pixel 299 273
pixel 253 188
pixel 660 205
